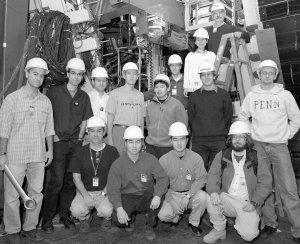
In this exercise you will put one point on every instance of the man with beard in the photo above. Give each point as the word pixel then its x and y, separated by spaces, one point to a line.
pixel 187 176
pixel 237 185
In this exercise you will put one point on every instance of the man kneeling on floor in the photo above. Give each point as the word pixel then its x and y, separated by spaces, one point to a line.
pixel 238 184
pixel 90 166
pixel 187 176
pixel 131 186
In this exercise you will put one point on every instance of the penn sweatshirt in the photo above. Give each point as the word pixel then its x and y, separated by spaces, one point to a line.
pixel 275 114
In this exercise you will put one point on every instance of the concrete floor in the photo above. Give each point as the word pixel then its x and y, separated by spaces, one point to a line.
pixel 182 234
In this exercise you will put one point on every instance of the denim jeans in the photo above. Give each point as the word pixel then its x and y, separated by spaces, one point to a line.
pixel 60 188
pixel 207 149
pixel 277 157
pixel 34 173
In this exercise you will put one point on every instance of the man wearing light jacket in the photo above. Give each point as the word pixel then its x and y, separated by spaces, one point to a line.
pixel 163 111
pixel 275 119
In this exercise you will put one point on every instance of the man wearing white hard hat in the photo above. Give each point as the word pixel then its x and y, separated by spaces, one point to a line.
pixel 125 107
pixel 275 118
pixel 187 176
pixel 210 114
pixel 98 96
pixel 193 60
pixel 136 182
pixel 71 109
pixel 26 123
pixel 90 166
pixel 237 185
pixel 161 112
pixel 220 28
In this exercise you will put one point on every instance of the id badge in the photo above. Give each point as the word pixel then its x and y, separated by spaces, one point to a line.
pixel 143 178
pixel 95 181
pixel 174 92
pixel 188 176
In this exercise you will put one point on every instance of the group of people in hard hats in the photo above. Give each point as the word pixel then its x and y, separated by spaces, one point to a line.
pixel 98 156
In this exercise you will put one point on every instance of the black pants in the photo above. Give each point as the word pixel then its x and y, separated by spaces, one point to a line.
pixel 157 151
pixel 207 150
pixel 60 188
pixel 138 203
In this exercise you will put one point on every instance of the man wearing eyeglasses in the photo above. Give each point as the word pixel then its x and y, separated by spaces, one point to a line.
pixel 71 109
pixel 275 119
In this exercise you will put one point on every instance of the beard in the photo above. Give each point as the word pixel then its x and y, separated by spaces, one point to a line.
pixel 238 148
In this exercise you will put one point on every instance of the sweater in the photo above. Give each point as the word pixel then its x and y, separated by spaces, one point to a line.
pixel 275 114
pixel 210 114
pixel 160 116
pixel 215 37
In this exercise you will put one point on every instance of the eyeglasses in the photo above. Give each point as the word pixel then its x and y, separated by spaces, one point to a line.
pixel 265 73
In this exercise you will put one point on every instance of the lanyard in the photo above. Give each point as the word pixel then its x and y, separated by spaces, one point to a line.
pixel 98 159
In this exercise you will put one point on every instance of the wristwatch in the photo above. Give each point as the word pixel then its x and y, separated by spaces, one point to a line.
pixel 255 204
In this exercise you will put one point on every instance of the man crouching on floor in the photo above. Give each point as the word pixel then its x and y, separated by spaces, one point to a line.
pixel 238 184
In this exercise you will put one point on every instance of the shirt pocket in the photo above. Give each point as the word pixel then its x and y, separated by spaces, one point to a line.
pixel 20 115
pixel 42 115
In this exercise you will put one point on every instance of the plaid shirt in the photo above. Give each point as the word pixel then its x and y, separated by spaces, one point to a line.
pixel 26 123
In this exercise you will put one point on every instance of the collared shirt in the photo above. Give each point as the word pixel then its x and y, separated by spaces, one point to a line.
pixel 128 177
pixel 185 174
pixel 98 104
pixel 238 187
pixel 214 89
pixel 68 111
pixel 26 123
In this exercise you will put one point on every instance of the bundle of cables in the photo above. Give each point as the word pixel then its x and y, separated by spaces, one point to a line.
pixel 50 35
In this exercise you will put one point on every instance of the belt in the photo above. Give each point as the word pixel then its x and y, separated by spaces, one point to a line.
pixel 181 191
pixel 123 126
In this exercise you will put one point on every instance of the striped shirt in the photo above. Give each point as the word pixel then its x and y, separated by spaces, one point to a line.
pixel 26 123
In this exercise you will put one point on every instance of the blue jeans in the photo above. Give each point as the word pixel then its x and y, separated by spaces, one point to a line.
pixel 277 157
pixel 60 188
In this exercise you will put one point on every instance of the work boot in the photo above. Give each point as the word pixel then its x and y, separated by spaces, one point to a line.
pixel 14 238
pixel 196 230
pixel 129 227
pixel 32 235
pixel 85 225
pixel 214 235
pixel 68 222
pixel 108 227
pixel 47 226
pixel 149 233
pixel 267 230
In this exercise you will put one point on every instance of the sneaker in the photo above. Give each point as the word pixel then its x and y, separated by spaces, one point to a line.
pixel 47 226
pixel 214 235
pixel 267 230
pixel 68 222
pixel 149 233
pixel 196 230
pixel 85 225
pixel 14 238
pixel 32 235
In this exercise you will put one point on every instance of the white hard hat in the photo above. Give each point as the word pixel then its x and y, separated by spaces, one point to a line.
pixel 37 63
pixel 206 66
pixel 133 132
pixel 76 63
pixel 202 33
pixel 217 6
pixel 239 127
pixel 99 72
pixel 175 59
pixel 130 65
pixel 268 63
pixel 95 121
pixel 163 77
pixel 178 129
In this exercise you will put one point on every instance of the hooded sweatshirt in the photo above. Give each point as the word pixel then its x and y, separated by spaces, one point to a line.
pixel 159 118
pixel 275 114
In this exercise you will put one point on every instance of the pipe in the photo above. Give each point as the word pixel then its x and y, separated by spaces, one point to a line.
pixel 29 203
pixel 4 45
